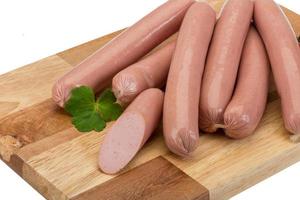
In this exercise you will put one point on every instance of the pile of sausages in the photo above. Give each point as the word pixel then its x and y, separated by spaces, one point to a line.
pixel 216 74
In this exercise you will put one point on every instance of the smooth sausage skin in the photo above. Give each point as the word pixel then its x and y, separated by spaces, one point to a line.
pixel 135 42
pixel 131 131
pixel 150 72
pixel 284 54
pixel 180 118
pixel 248 104
pixel 223 62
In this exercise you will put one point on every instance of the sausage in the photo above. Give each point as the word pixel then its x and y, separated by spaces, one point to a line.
pixel 248 104
pixel 180 118
pixel 223 61
pixel 135 42
pixel 282 47
pixel 150 72
pixel 131 131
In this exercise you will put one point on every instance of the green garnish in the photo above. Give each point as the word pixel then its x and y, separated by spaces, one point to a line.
pixel 90 114
pixel 109 109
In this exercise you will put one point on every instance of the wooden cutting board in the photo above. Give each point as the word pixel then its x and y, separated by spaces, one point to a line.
pixel 37 141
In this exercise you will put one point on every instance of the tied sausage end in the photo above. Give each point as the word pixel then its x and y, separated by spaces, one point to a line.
pixel 185 143
pixel 292 124
pixel 212 128
pixel 237 126
pixel 210 121
pixel 126 89
pixel 59 93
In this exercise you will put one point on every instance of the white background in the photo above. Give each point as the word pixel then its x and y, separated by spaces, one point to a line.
pixel 33 29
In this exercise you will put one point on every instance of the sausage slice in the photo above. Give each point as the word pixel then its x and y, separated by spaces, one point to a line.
pixel 131 131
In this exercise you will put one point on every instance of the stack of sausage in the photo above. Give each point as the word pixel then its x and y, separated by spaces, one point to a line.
pixel 216 74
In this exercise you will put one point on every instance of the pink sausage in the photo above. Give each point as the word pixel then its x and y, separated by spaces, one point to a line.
pixel 131 131
pixel 223 62
pixel 248 104
pixel 180 119
pixel 98 70
pixel 150 72
pixel 282 47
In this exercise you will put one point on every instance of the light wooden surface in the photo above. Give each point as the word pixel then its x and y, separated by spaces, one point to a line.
pixel 37 140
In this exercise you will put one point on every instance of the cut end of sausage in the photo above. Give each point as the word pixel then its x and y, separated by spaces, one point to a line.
pixel 59 93
pixel 126 87
pixel 185 143
pixel 122 143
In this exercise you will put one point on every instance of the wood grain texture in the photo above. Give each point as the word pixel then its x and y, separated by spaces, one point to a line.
pixel 47 143
pixel 80 155
pixel 30 84
pixel 36 122
pixel 37 141
pixel 155 180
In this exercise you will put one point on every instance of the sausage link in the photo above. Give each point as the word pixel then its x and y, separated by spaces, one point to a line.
pixel 150 72
pixel 131 131
pixel 248 104
pixel 180 118
pixel 282 47
pixel 135 42
pixel 223 62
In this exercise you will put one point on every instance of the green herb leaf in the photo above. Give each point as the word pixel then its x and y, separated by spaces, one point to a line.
pixel 89 122
pixel 89 114
pixel 109 109
pixel 82 100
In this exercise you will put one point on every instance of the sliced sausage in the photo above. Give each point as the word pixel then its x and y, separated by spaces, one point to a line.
pixel 180 119
pixel 248 104
pixel 282 47
pixel 223 62
pixel 135 42
pixel 130 132
pixel 150 72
